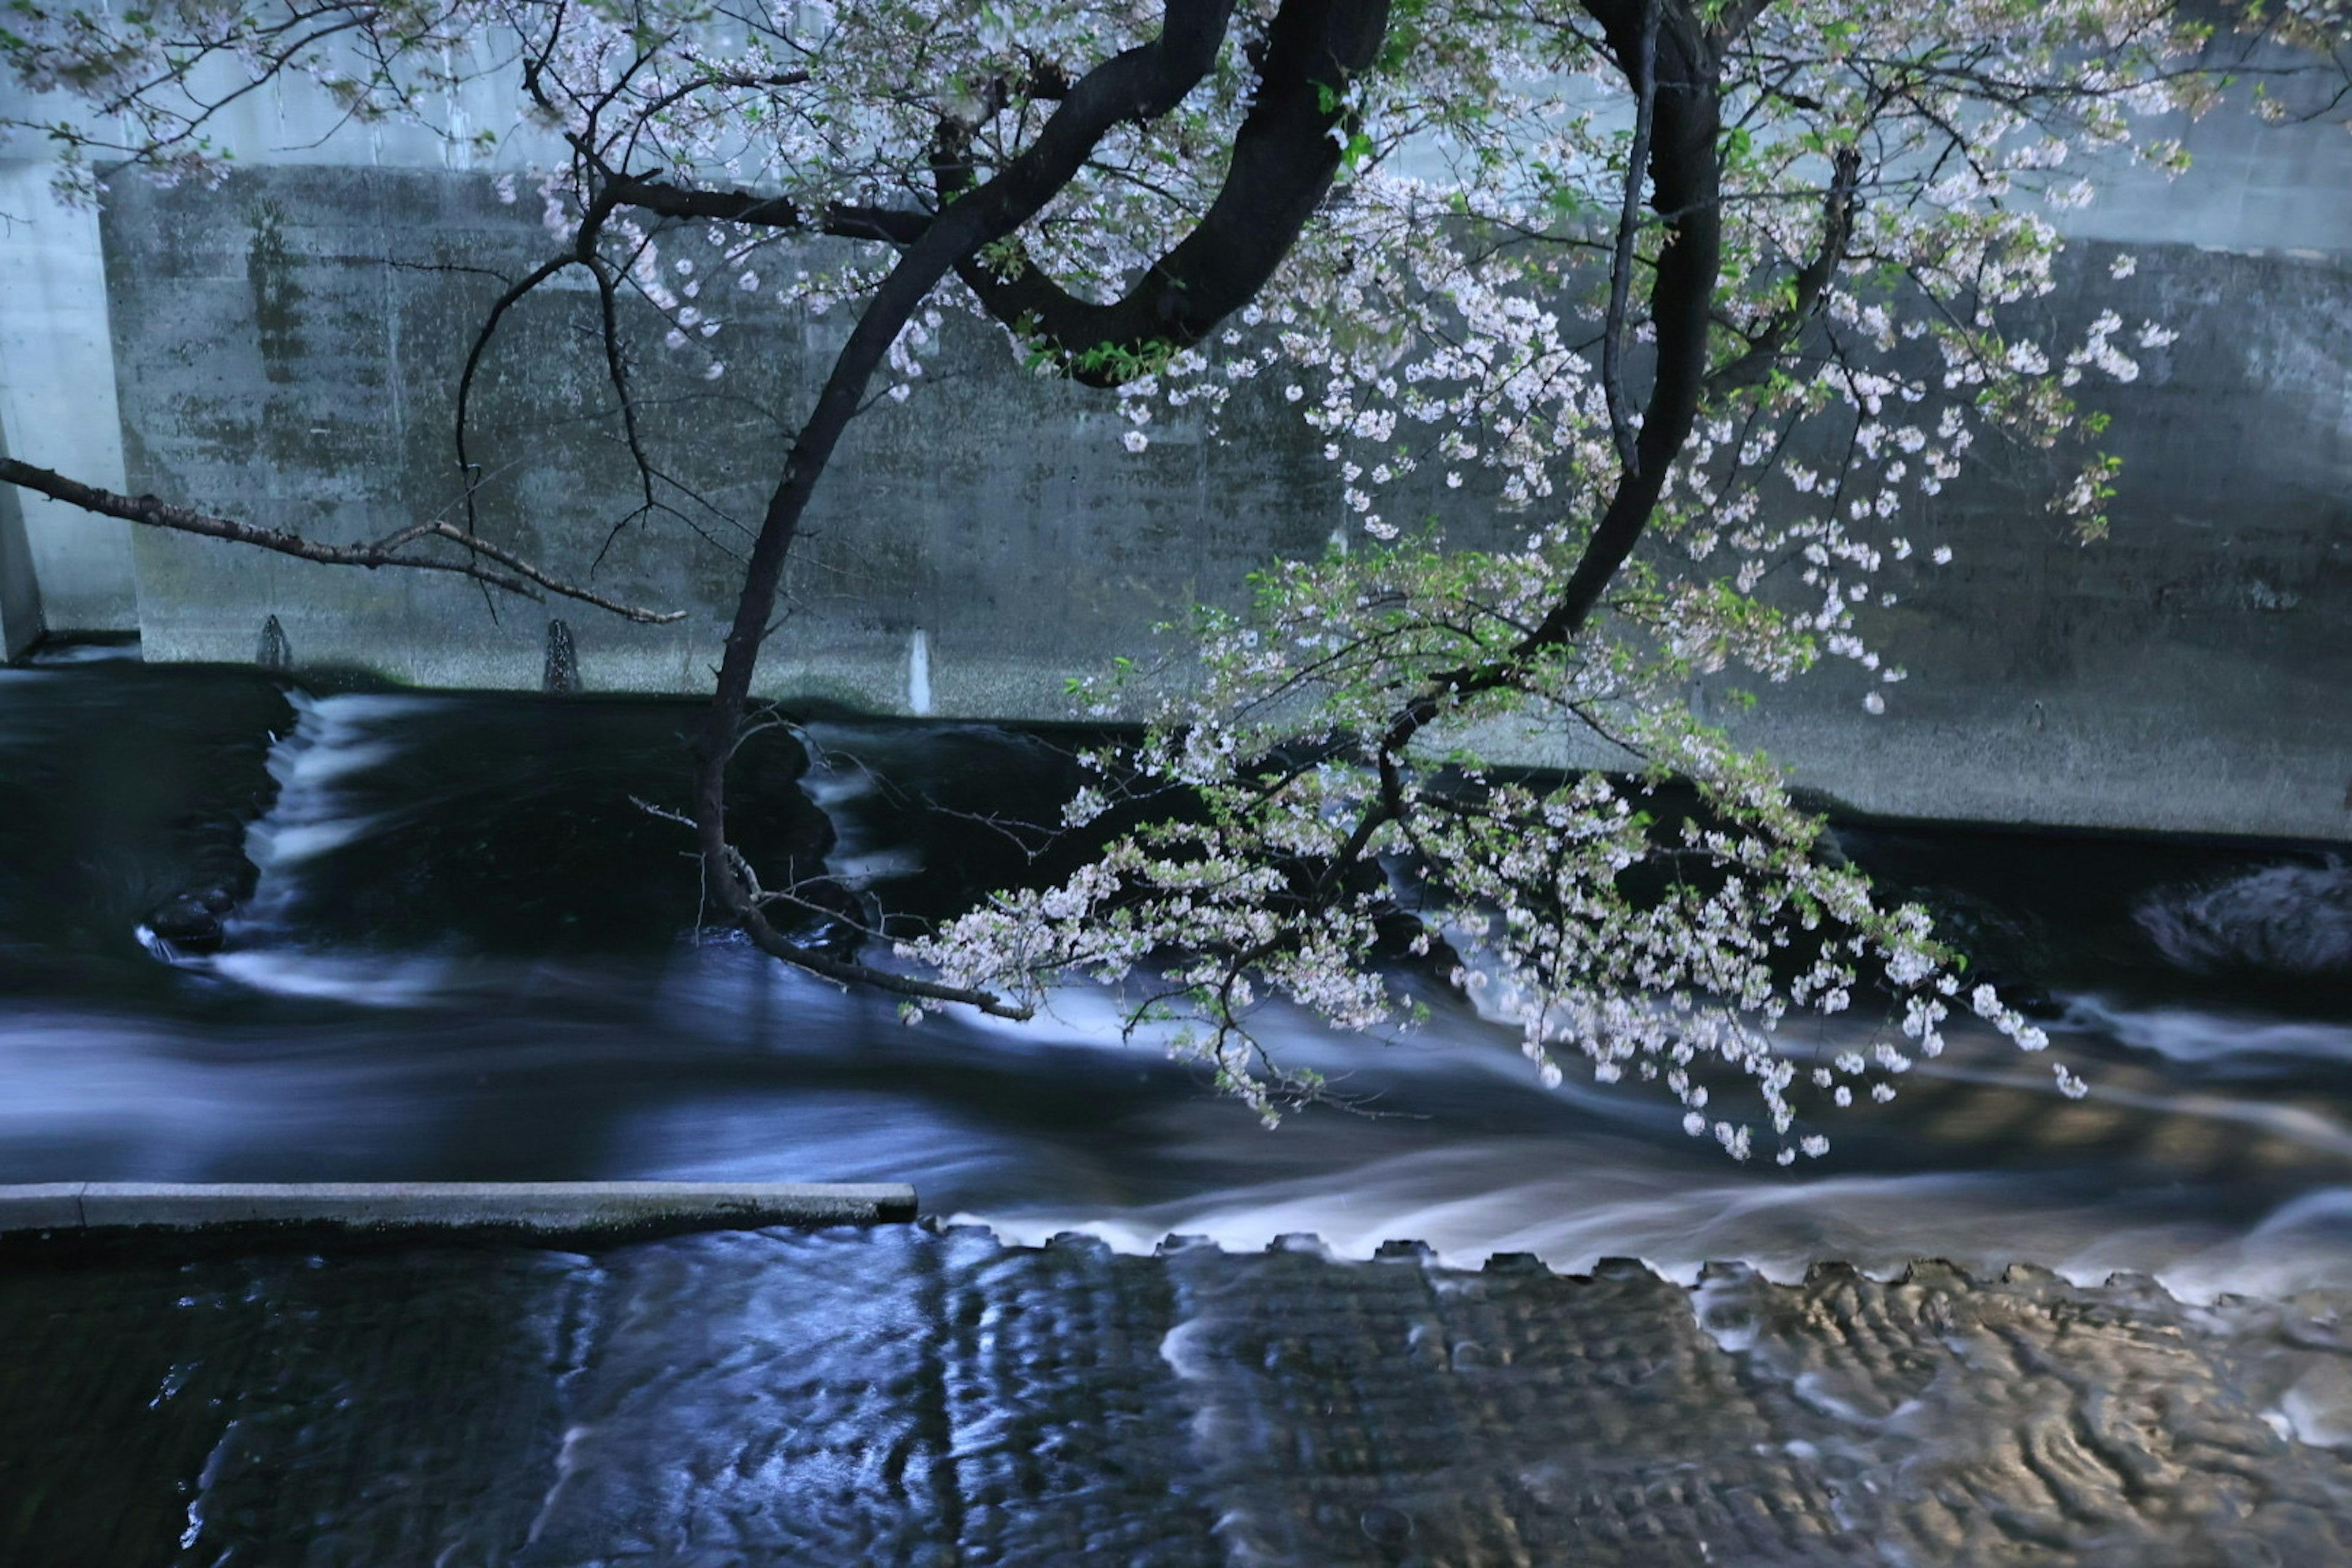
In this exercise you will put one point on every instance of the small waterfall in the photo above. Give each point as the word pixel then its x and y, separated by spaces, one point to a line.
pixel 332 739
pixel 837 783
pixel 335 739
pixel 918 673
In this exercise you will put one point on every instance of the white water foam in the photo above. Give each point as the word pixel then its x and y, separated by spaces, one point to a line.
pixel 368 981
pixel 1467 1208
pixel 332 739
pixel 836 781
pixel 335 739
pixel 2305 1244
pixel 133 1098
pixel 2211 1039
pixel 2295 919
pixel 1467 1205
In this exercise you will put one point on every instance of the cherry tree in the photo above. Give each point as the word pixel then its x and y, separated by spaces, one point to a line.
pixel 1699 296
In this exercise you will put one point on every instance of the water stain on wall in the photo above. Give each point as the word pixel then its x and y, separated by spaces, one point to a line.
pixel 277 296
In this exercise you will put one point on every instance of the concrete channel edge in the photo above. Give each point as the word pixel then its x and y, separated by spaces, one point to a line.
pixel 539 1208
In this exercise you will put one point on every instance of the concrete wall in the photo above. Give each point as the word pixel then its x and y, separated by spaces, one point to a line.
pixel 288 348
pixel 57 370
pixel 57 405
pixel 20 589
pixel 2192 671
pixel 285 349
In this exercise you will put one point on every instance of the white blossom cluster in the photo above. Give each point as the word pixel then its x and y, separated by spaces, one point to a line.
pixel 1445 326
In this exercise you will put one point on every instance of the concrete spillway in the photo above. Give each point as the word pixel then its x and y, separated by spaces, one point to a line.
pixel 540 1210
pixel 897 1395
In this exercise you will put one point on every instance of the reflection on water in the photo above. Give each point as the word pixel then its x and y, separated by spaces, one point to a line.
pixel 460 950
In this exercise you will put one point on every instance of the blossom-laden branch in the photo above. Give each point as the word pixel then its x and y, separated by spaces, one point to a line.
pixel 1413 225
pixel 484 561
pixel 1664 943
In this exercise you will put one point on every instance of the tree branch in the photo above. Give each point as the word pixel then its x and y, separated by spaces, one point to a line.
pixel 1686 179
pixel 1140 83
pixel 1284 155
pixel 893 226
pixel 1811 283
pixel 1629 221
pixel 510 573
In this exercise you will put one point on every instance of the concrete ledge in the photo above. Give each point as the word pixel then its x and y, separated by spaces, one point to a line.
pixel 543 1209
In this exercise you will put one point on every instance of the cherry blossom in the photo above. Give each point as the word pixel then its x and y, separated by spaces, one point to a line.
pixel 1679 442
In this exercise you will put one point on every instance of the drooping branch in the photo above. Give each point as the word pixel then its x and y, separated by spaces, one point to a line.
pixel 482 560
pixel 513 295
pixel 841 221
pixel 1284 158
pixel 615 186
pixel 583 253
pixel 1685 188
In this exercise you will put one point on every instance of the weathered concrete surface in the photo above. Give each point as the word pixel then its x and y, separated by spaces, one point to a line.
pixel 276 364
pixel 287 350
pixel 2191 670
pixel 890 1396
pixel 20 589
pixel 553 1208
pixel 56 406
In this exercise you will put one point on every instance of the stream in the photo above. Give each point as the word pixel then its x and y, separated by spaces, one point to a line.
pixel 454 946
pixel 254 932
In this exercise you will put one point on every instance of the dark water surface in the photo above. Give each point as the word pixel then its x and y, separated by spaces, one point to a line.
pixel 423 936
pixel 458 950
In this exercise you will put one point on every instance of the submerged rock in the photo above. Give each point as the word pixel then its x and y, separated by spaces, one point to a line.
pixel 192 923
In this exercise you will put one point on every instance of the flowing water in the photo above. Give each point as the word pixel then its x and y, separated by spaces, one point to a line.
pixel 254 932
pixel 457 946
